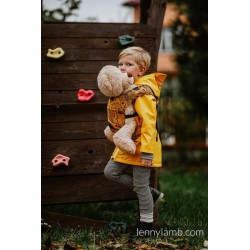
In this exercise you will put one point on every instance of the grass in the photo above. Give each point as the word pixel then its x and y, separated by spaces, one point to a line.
pixel 185 207
pixel 186 202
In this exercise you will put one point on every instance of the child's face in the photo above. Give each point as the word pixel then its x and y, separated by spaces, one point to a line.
pixel 128 65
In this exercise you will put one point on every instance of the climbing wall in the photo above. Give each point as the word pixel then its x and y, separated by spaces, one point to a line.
pixel 74 127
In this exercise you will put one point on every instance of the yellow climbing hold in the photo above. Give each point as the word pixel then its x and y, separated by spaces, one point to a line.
pixel 55 53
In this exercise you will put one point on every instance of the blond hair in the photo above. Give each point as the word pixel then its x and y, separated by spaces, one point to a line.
pixel 141 56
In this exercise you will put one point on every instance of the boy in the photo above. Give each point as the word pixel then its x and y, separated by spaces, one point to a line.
pixel 135 61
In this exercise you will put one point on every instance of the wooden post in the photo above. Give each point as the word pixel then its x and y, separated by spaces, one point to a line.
pixel 155 16
pixel 145 5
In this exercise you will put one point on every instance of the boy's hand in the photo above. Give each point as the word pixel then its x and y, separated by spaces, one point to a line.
pixel 147 163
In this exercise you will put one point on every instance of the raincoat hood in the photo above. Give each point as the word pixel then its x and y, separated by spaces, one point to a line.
pixel 154 81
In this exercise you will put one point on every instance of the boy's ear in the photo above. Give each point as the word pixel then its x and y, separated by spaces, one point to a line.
pixel 142 70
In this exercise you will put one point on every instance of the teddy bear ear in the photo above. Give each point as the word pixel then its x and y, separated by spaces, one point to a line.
pixel 104 84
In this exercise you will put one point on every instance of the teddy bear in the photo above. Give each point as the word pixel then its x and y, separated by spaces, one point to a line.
pixel 122 91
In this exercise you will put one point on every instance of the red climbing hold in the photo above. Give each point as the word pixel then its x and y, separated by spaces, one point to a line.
pixel 85 95
pixel 60 160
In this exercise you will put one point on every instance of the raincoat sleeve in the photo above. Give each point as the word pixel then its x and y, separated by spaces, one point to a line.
pixel 145 106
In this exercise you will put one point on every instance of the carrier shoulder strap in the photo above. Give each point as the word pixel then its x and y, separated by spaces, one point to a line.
pixel 149 92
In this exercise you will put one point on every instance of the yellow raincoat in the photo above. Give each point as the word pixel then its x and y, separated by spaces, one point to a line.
pixel 149 140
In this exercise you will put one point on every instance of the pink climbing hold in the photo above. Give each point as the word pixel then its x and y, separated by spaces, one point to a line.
pixel 60 160
pixel 85 95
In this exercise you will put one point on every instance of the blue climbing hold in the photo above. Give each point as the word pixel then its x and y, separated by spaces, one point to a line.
pixel 118 227
pixel 126 39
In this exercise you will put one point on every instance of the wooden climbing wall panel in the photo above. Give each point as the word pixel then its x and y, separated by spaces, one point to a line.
pixel 73 128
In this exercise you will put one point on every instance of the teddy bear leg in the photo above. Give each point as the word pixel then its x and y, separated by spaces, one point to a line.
pixel 122 138
pixel 108 133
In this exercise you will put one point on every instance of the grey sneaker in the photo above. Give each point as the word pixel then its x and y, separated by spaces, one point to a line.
pixel 157 195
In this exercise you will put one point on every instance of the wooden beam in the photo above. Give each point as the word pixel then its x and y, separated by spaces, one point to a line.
pixel 64 97
pixel 155 19
pixel 94 30
pixel 156 13
pixel 71 221
pixel 145 5
pixel 70 43
pixel 75 112
pixel 82 188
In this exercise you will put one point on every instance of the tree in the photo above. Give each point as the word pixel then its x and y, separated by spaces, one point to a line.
pixel 60 14
pixel 191 44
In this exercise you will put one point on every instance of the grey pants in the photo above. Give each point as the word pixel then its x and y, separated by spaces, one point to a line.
pixel 139 182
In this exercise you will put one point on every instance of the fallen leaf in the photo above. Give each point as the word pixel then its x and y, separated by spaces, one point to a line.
pixel 166 244
pixel 144 247
pixel 54 247
pixel 117 245
pixel 205 244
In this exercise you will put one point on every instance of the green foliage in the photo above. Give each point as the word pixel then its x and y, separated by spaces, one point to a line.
pixel 183 108
pixel 66 9
pixel 178 117
pixel 191 37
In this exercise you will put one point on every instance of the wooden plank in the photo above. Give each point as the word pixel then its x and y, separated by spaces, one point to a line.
pixel 70 97
pixel 77 148
pixel 75 112
pixel 80 164
pixel 95 30
pixel 77 67
pixel 86 156
pixel 69 81
pixel 65 221
pixel 73 130
pixel 90 43
pixel 86 54
pixel 82 188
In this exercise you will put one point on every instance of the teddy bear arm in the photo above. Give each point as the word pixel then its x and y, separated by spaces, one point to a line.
pixel 122 138
pixel 109 133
